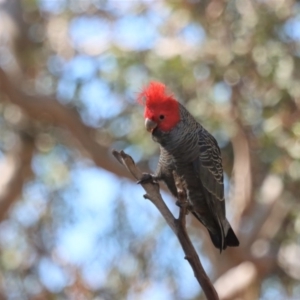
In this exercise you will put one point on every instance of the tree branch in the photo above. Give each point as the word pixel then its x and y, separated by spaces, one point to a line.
pixel 177 225
pixel 236 281
pixel 21 161
pixel 242 173
pixel 50 111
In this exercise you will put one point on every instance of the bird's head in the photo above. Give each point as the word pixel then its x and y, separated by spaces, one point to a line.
pixel 161 109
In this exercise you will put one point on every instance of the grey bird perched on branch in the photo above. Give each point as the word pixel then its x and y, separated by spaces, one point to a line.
pixel 190 150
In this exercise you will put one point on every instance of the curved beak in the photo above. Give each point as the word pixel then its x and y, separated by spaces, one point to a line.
pixel 150 125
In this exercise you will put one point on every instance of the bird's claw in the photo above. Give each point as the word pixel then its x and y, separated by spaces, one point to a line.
pixel 184 204
pixel 181 204
pixel 147 178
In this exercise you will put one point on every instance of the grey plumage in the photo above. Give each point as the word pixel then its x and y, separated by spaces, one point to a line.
pixel 195 155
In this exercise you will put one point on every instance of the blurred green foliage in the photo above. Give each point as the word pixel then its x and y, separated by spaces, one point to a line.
pixel 234 64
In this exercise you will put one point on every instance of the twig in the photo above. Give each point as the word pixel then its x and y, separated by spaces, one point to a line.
pixel 177 225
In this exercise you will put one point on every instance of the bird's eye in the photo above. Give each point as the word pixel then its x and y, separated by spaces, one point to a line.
pixel 161 117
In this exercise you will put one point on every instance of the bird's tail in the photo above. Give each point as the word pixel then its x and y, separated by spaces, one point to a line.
pixel 230 239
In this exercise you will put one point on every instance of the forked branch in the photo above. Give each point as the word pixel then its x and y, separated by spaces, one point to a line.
pixel 177 225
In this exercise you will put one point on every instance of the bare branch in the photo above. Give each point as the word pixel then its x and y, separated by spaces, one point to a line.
pixel 177 225
pixel 242 176
pixel 21 172
pixel 50 111
pixel 236 281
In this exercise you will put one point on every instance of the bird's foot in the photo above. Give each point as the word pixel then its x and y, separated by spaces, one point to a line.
pixel 184 204
pixel 147 178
